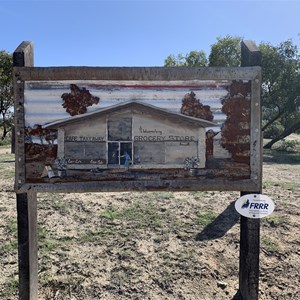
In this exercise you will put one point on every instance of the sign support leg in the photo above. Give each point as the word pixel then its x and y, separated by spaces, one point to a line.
pixel 26 203
pixel 249 258
pixel 250 228
pixel 27 246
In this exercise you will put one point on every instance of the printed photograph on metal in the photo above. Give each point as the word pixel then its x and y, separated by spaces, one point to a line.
pixel 105 130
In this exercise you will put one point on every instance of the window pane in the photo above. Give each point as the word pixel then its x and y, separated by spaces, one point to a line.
pixel 113 153
pixel 119 128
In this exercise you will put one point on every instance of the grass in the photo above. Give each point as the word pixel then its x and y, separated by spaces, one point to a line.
pixel 166 195
pixel 12 227
pixel 269 244
pixel 291 186
pixel 120 222
pixel 12 244
pixel 6 142
pixel 55 201
pixel 266 184
pixel 276 220
pixel 198 195
pixel 9 248
pixel 9 174
pixel 6 156
pixel 63 285
pixel 139 215
pixel 96 236
pixel 142 214
pixel 10 288
pixel 145 215
pixel 111 214
pixel 286 185
pixel 7 166
pixel 205 218
pixel 46 243
pixel 281 157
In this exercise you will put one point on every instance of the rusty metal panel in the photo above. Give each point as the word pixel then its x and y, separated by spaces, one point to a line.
pixel 95 129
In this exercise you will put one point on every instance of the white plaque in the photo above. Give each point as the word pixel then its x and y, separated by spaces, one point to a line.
pixel 254 206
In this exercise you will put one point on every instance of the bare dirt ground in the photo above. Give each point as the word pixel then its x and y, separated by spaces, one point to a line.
pixel 153 245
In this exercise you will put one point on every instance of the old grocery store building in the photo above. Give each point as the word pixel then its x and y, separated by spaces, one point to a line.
pixel 131 133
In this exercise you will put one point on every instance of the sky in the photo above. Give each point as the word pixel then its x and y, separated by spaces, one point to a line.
pixel 139 33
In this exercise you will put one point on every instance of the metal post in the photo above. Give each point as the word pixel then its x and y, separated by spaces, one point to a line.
pixel 250 228
pixel 26 205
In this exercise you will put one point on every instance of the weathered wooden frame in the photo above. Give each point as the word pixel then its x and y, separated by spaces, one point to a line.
pixel 27 200
pixel 253 74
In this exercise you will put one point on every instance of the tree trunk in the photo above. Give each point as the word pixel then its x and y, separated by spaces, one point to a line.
pixel 273 120
pixel 284 134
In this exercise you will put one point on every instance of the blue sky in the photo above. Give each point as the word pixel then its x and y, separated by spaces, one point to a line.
pixel 139 33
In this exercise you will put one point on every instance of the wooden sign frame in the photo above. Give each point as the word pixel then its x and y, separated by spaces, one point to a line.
pixel 26 192
pixel 243 85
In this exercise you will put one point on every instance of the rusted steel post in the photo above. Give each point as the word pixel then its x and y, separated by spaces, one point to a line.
pixel 250 228
pixel 26 202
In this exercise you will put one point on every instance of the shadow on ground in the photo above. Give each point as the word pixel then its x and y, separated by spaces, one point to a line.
pixel 218 228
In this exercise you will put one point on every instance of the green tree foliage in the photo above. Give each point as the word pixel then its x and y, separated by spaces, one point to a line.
pixel 226 52
pixel 280 76
pixel 192 59
pixel 280 90
pixel 6 94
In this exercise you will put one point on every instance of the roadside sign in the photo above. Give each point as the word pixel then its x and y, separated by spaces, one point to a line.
pixel 82 129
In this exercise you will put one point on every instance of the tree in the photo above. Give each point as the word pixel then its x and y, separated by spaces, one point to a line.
pixel 192 59
pixel 280 90
pixel 192 106
pixel 226 52
pixel 6 94
pixel 280 81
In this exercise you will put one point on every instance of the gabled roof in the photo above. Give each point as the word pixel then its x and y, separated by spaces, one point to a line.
pixel 147 108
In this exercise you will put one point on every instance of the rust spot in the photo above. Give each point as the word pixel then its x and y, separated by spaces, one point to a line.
pixel 210 143
pixel 192 107
pixel 78 100
pixel 240 88
pixel 235 132
pixel 38 152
